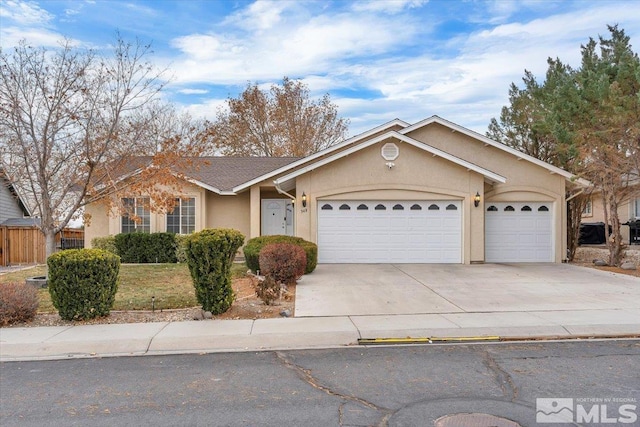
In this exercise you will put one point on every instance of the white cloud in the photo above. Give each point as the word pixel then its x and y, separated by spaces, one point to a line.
pixel 24 13
pixel 193 91
pixel 11 36
pixel 388 6
pixel 297 49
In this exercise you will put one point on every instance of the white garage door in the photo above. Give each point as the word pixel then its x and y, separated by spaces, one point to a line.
pixel 518 232
pixel 389 231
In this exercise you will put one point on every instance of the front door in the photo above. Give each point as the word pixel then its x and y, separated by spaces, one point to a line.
pixel 277 217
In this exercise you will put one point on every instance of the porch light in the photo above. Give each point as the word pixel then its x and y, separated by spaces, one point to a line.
pixel 476 200
pixel 304 200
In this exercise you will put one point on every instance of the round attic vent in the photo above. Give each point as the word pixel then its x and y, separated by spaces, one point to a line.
pixel 390 151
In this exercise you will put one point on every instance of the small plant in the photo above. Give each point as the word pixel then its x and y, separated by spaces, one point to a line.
pixel 83 282
pixel 284 262
pixel 18 303
pixel 254 246
pixel 268 289
pixel 210 254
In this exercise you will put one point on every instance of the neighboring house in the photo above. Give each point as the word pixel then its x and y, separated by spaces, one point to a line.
pixel 431 192
pixel 628 211
pixel 12 205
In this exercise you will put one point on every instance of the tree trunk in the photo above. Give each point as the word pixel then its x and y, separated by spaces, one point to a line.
pixel 575 208
pixel 611 219
pixel 50 242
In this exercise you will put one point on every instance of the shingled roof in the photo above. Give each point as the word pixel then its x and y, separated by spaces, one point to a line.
pixel 215 172
pixel 225 173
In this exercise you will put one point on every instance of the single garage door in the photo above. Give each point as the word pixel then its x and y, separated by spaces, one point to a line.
pixel 389 231
pixel 518 232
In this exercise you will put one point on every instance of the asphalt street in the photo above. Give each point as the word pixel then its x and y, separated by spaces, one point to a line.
pixel 357 386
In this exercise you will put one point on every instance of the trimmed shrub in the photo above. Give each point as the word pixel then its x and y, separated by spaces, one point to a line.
pixel 107 243
pixel 210 254
pixel 83 282
pixel 254 246
pixel 284 262
pixel 140 248
pixel 181 247
pixel 18 303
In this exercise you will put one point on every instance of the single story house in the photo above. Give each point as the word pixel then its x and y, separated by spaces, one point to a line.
pixel 429 192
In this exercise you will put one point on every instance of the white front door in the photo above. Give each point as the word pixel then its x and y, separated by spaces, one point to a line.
pixel 277 217
pixel 390 231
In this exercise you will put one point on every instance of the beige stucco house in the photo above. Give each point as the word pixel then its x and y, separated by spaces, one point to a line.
pixel 429 192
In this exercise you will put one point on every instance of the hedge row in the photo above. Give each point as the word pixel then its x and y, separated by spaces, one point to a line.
pixel 254 246
pixel 141 248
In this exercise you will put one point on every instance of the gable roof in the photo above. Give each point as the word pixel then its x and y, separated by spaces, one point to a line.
pixel 22 204
pixel 488 141
pixel 301 161
pixel 492 176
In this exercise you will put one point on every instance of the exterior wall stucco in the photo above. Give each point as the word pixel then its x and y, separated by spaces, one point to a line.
pixel 229 212
pixel 417 175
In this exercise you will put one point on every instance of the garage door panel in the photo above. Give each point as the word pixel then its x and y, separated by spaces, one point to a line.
pixel 400 235
pixel 518 232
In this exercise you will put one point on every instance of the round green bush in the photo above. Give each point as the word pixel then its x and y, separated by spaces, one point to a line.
pixel 210 254
pixel 254 246
pixel 83 282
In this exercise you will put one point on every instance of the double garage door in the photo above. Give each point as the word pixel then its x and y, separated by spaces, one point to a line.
pixel 430 232
pixel 390 231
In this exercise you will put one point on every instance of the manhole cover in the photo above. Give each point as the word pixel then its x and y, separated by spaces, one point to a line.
pixel 474 420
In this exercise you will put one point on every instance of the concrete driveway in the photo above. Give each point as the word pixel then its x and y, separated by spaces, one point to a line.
pixel 406 289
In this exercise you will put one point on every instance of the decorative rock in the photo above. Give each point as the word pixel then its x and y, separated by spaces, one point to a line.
pixel 628 265
pixel 208 315
pixel 600 263
pixel 285 313
pixel 198 315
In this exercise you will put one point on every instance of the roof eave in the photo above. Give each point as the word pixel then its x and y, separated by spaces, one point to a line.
pixel 329 150
pixel 394 134
pixel 553 169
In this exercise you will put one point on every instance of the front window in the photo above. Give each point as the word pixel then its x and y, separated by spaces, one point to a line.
pixel 588 208
pixel 136 217
pixel 636 208
pixel 182 220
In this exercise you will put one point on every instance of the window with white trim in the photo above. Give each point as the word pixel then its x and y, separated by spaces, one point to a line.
pixel 136 217
pixel 182 219
pixel 636 208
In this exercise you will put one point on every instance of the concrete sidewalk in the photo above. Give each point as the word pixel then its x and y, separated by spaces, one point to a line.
pixel 62 342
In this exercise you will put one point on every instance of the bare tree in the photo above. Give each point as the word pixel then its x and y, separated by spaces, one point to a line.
pixel 281 122
pixel 70 122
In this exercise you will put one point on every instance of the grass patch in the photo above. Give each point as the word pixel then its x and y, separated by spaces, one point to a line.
pixel 170 284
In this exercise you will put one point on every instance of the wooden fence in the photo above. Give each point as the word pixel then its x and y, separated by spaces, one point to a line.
pixel 26 245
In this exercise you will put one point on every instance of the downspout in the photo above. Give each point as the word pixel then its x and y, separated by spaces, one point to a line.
pixel 281 191
pixel 575 195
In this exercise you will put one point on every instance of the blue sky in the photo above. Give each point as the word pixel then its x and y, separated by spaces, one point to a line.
pixel 379 60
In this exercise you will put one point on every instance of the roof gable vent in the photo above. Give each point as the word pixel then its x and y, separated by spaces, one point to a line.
pixel 390 151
